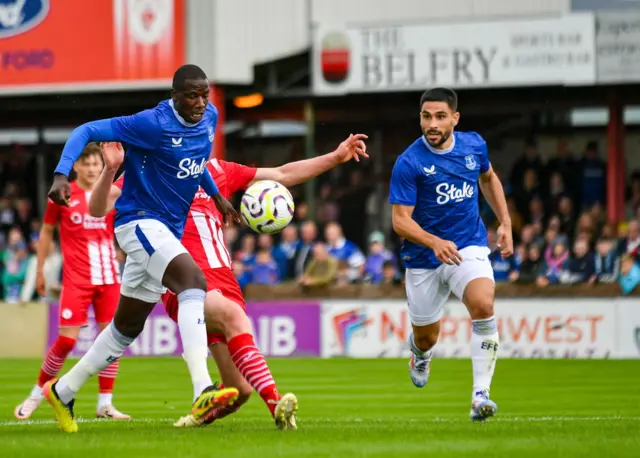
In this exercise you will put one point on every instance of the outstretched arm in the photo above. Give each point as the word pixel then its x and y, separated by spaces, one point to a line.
pixel 94 131
pixel 141 129
pixel 298 172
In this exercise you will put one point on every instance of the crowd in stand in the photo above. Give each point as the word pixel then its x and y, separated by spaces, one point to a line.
pixel 559 226
pixel 312 259
pixel 557 211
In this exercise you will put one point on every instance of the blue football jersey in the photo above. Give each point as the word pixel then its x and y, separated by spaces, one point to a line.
pixel 165 159
pixel 442 185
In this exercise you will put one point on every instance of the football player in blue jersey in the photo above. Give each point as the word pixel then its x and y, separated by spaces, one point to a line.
pixel 434 193
pixel 167 149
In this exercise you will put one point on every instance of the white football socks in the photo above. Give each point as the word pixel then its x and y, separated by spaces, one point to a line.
pixel 484 353
pixel 423 354
pixel 104 399
pixel 36 392
pixel 107 348
pixel 193 332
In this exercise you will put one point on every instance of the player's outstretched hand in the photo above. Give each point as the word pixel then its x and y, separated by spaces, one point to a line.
pixel 505 241
pixel 447 252
pixel 113 154
pixel 226 209
pixel 353 147
pixel 60 191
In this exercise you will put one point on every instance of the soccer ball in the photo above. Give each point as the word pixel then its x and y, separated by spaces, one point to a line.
pixel 267 207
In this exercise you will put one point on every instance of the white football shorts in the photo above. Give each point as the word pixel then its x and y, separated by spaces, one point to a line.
pixel 150 247
pixel 428 289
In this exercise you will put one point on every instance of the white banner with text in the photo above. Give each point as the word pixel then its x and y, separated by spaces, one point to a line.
pixel 529 328
pixel 414 57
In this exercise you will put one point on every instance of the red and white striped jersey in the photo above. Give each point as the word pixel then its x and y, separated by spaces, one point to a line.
pixel 87 243
pixel 203 236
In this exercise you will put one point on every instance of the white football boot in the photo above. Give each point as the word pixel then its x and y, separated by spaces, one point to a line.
pixel 189 421
pixel 108 411
pixel 482 407
pixel 285 412
pixel 28 406
pixel 419 369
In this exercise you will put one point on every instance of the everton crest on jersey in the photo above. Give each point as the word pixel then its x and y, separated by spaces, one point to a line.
pixel 470 162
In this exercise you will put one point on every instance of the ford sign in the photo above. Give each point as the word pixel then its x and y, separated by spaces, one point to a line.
pixel 18 16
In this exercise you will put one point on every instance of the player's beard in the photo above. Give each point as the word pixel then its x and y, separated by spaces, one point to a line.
pixel 444 136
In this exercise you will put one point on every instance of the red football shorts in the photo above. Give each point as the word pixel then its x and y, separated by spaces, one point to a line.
pixel 221 280
pixel 76 299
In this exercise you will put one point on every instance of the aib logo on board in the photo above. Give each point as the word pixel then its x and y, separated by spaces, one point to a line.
pixel 19 16
pixel 334 57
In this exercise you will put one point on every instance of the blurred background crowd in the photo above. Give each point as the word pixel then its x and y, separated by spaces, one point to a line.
pixel 557 207
pixel 559 224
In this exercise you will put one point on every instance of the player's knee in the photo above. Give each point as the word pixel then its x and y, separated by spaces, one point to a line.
pixel 182 273
pixel 195 280
pixel 235 321
pixel 224 314
pixel 482 312
pixel 192 280
pixel 199 282
pixel 479 296
pixel 481 309
pixel 129 326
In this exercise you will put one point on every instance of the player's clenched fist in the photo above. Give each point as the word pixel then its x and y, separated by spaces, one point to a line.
pixel 447 252
pixel 60 191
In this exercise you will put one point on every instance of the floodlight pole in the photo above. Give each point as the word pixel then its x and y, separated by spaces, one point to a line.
pixel 309 152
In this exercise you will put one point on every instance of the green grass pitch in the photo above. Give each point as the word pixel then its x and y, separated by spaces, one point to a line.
pixel 348 408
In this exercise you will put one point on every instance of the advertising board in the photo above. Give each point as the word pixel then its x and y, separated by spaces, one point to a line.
pixel 410 57
pixel 280 329
pixel 528 329
pixel 618 46
pixel 70 45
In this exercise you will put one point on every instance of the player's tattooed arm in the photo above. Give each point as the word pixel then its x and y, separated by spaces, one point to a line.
pixel 294 173
pixel 406 227
pixel 494 193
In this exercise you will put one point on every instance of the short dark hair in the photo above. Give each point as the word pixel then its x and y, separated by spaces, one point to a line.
pixel 187 72
pixel 441 94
